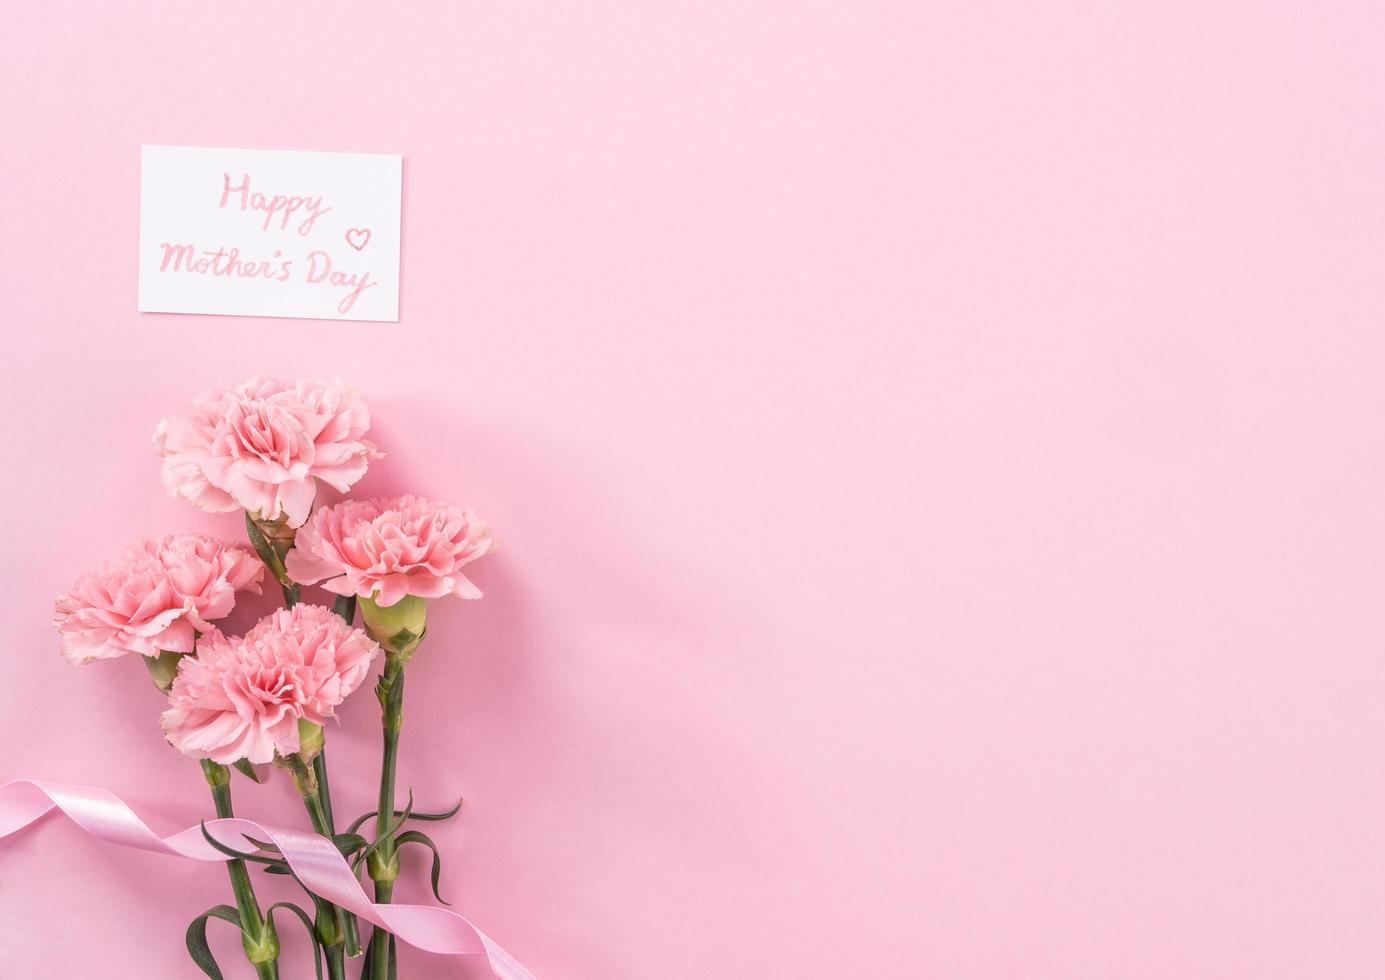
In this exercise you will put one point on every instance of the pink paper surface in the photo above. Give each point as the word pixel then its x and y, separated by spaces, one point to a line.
pixel 935 449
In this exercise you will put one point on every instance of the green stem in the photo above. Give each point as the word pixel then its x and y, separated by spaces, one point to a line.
pixel 331 920
pixel 257 937
pixel 381 949
pixel 383 863
pixel 324 796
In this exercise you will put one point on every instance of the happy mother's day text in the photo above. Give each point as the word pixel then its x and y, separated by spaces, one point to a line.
pixel 271 214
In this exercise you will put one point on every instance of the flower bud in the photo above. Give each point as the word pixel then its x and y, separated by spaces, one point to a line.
pixel 398 628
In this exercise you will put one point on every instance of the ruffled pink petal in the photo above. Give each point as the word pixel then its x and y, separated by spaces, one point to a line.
pixel 305 567
pixel 392 547
pixel 262 445
pixel 296 500
pixel 243 697
pixel 464 588
pixel 154 598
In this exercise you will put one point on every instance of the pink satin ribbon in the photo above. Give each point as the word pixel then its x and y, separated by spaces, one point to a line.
pixel 316 862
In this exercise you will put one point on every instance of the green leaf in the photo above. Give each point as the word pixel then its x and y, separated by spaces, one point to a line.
pixel 388 833
pixel 448 815
pixel 232 852
pixel 418 837
pixel 196 938
pixel 349 843
pixel 307 924
pixel 445 815
pixel 401 815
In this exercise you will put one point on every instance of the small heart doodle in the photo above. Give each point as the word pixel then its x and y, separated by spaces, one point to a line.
pixel 358 238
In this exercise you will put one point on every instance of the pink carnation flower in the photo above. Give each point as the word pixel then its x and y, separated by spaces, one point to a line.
pixel 243 697
pixel 153 598
pixel 390 547
pixel 263 445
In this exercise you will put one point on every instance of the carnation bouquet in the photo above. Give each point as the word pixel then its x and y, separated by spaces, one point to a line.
pixel 237 703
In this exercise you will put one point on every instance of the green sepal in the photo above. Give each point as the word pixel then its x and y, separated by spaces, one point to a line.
pixel 311 741
pixel 419 837
pixel 383 865
pixel 398 628
pixel 163 668
pixel 266 949
pixel 196 938
pixel 247 769
pixel 345 607
pixel 349 843
pixel 266 551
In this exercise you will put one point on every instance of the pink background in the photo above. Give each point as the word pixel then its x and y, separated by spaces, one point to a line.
pixel 936 448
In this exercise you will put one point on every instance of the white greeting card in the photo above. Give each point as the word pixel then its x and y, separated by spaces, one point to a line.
pixel 269 233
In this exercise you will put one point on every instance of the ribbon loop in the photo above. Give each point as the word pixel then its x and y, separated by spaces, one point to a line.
pixel 314 859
